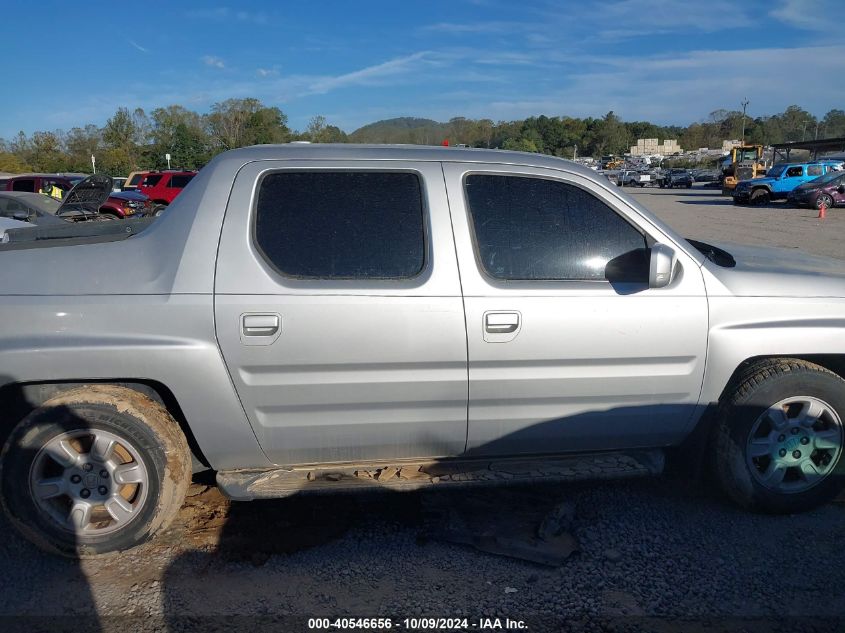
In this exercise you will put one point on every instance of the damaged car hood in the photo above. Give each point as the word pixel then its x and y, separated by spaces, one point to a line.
pixel 86 197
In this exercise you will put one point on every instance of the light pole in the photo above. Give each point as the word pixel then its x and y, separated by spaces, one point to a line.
pixel 744 105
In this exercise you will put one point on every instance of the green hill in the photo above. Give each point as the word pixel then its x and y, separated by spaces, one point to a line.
pixel 402 130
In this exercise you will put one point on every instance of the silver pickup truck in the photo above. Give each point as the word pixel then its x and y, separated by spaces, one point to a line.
pixel 319 318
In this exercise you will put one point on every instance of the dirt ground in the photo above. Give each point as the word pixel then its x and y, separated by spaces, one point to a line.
pixel 649 553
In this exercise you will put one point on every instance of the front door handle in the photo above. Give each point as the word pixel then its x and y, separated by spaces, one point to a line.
pixel 260 324
pixel 501 322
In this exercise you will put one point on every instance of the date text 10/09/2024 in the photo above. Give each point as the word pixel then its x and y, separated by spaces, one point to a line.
pixel 417 624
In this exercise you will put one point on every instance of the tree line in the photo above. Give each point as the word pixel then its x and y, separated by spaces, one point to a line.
pixel 135 139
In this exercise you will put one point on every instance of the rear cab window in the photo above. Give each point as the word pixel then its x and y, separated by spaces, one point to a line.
pixel 341 224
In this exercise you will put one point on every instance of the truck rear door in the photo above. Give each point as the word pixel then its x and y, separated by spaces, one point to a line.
pixel 339 312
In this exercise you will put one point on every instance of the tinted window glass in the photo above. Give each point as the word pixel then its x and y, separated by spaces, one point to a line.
pixel 136 179
pixel 532 228
pixel 179 182
pixel 814 170
pixel 151 181
pixel 342 225
pixel 794 171
pixel 25 184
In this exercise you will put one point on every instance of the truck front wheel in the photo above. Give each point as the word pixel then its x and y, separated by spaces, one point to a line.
pixel 760 197
pixel 779 438
pixel 96 469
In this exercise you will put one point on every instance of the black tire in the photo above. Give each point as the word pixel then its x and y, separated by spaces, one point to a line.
pixel 689 185
pixel 823 197
pixel 760 387
pixel 760 197
pixel 139 421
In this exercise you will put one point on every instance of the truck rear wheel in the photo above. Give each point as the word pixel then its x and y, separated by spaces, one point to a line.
pixel 94 470
pixel 779 439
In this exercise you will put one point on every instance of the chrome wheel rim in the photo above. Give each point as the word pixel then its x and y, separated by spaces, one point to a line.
pixel 795 444
pixel 89 482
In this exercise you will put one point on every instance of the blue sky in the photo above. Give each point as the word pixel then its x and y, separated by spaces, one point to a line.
pixel 668 61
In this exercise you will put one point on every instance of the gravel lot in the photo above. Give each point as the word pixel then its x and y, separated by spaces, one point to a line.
pixel 705 215
pixel 662 548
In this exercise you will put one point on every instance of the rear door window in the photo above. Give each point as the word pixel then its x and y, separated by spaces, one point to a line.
pixel 814 170
pixel 179 181
pixel 342 225
pixel 24 184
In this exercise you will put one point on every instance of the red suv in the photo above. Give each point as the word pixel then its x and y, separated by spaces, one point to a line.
pixel 163 186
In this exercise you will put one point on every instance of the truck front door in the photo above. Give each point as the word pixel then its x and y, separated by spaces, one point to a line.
pixel 569 348
pixel 339 312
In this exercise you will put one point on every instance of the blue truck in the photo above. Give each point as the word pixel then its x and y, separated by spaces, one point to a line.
pixel 779 181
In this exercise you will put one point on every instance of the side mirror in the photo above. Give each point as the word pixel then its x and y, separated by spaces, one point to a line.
pixel 661 266
pixel 23 216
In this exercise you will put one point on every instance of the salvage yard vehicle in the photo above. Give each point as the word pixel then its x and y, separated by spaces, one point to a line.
pixel 81 203
pixel 133 180
pixel 118 204
pixel 162 187
pixel 34 208
pixel 635 178
pixel 746 162
pixel 825 191
pixel 676 178
pixel 779 181
pixel 317 318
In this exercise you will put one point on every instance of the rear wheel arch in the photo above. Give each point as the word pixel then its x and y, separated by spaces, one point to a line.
pixel 17 400
pixel 94 469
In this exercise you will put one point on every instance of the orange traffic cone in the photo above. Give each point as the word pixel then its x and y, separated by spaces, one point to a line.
pixel 822 211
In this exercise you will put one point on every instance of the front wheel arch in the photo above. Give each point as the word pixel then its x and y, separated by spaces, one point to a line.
pixel 755 452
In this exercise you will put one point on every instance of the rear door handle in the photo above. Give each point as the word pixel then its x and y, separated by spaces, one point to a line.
pixel 260 325
pixel 501 322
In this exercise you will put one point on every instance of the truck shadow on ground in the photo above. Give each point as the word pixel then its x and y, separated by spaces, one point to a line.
pixel 247 566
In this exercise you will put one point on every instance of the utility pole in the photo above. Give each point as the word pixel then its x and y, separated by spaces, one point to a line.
pixel 744 105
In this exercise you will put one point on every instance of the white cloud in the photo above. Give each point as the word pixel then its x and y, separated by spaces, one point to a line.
pixel 214 62
pixel 459 28
pixel 684 87
pixel 814 15
pixel 266 72
pixel 372 74
pixel 138 46
pixel 222 14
